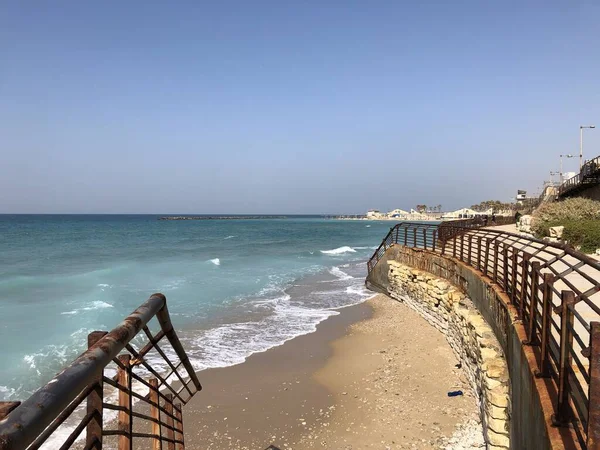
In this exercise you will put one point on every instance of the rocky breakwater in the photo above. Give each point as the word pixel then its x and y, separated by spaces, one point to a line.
pixel 470 337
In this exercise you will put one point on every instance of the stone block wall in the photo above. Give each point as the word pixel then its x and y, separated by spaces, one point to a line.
pixel 473 341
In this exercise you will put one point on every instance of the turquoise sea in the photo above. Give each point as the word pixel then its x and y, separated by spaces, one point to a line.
pixel 233 287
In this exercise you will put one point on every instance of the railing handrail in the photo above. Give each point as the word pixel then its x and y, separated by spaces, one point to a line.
pixel 577 179
pixel 541 280
pixel 22 426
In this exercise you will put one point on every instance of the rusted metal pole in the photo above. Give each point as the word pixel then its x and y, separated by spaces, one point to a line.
pixel 179 426
pixel 486 257
pixel 462 247
pixel 563 409
pixel 425 238
pixel 469 249
pixel 170 434
pixel 415 237
pixel 533 304
pixel 434 239
pixel 496 261
pixel 93 437
pixel 513 282
pixel 544 371
pixel 124 380
pixel 406 236
pixel 479 253
pixel 593 424
pixel 523 293
pixel 505 267
pixel 454 247
pixel 155 413
pixel 397 231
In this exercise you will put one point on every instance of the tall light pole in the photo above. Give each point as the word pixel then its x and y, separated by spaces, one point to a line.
pixel 581 127
pixel 561 171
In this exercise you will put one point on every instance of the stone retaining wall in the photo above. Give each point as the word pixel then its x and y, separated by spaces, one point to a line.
pixel 470 337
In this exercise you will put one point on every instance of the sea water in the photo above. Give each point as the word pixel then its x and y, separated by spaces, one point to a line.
pixel 233 287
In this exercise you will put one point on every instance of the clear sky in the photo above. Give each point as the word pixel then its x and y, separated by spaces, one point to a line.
pixel 290 106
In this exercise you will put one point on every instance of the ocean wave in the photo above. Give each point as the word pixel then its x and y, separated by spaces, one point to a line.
pixel 339 251
pixel 367 226
pixel 216 261
pixel 232 344
pixel 340 274
pixel 98 304
pixel 228 237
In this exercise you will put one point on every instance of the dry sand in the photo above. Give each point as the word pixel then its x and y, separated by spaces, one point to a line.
pixel 375 376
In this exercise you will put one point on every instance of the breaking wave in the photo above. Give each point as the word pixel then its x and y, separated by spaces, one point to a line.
pixel 339 251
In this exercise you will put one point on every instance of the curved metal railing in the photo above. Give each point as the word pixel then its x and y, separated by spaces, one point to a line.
pixel 556 291
pixel 123 375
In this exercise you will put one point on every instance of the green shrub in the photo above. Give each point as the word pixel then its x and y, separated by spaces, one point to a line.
pixel 583 233
pixel 558 213
pixel 577 233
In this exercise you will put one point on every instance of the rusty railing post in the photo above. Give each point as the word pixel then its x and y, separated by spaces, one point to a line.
pixel 593 423
pixel 155 414
pixel 486 256
pixel 469 249
pixel 93 437
pixel 496 261
pixel 125 423
pixel 397 231
pixel 544 371
pixel 169 420
pixel 462 247
pixel 454 247
pixel 406 236
pixel 505 267
pixel 425 238
pixel 533 304
pixel 415 237
pixel 434 239
pixel 514 272
pixel 179 427
pixel 479 253
pixel 523 293
pixel 563 409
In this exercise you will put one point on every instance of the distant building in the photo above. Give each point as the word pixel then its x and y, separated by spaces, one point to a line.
pixel 373 214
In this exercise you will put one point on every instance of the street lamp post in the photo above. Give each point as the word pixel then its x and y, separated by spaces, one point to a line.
pixel 581 127
pixel 561 166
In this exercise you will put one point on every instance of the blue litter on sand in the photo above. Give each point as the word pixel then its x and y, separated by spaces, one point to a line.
pixel 454 393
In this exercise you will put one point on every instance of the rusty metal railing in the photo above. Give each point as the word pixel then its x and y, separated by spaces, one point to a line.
pixel 129 385
pixel 556 292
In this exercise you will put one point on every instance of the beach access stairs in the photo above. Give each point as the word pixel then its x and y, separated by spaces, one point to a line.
pixel 543 301
pixel 126 390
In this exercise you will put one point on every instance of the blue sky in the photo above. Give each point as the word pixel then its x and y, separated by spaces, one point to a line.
pixel 290 107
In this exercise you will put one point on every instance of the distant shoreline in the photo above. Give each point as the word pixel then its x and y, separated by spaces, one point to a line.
pixel 220 217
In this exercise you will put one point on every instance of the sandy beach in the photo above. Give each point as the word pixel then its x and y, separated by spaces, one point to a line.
pixel 374 376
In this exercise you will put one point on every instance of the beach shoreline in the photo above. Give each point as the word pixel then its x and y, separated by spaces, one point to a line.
pixel 374 375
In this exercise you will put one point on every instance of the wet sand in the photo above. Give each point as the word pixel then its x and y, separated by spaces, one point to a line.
pixel 374 376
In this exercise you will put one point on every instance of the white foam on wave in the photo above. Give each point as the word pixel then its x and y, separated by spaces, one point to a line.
pixel 216 261
pixel 339 250
pixel 6 392
pixel 98 304
pixel 232 344
pixel 340 274
pixel 228 237
pixel 367 226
